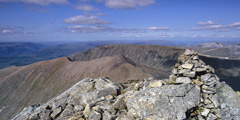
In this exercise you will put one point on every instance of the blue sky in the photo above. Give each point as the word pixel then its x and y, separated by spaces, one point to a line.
pixel 81 20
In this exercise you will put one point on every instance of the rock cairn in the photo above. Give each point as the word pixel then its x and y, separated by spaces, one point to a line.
pixel 190 69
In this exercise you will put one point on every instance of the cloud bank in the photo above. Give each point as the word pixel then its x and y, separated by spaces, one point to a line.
pixel 127 4
pixel 85 7
pixel 39 2
pixel 86 19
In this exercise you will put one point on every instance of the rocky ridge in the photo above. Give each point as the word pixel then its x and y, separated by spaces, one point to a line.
pixel 193 91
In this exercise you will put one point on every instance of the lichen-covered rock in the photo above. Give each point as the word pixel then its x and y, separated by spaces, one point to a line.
pixel 229 102
pixel 169 102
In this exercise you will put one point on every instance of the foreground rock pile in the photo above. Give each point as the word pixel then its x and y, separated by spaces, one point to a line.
pixel 191 92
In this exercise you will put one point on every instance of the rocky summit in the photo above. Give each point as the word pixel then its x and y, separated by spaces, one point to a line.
pixel 192 92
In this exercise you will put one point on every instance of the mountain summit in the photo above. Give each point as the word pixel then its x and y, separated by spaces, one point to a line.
pixel 193 91
pixel 39 82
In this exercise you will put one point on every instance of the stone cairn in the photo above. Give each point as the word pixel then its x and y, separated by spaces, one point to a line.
pixel 190 69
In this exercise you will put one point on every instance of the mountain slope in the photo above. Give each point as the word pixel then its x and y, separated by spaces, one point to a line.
pixel 158 57
pixel 38 82
pixel 164 58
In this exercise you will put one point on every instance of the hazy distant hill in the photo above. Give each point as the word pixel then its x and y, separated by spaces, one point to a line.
pixel 18 48
pixel 217 49
pixel 46 53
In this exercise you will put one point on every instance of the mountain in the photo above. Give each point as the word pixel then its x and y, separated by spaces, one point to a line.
pixel 39 82
pixel 164 58
pixel 217 49
pixel 46 53
pixel 25 53
pixel 18 48
pixel 158 57
pixel 192 92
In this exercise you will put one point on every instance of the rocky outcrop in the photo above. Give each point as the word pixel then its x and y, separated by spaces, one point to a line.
pixel 193 91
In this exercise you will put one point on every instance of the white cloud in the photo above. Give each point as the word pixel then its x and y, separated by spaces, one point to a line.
pixel 91 29
pixel 236 24
pixel 100 28
pixel 86 19
pixel 86 8
pixel 127 4
pixel 223 30
pixel 39 2
pixel 214 26
pixel 157 28
pixel 6 31
pixel 211 27
pixel 12 30
pixel 206 23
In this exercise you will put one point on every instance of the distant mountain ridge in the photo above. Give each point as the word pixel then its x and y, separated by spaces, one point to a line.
pixel 158 57
pixel 217 49
pixel 9 49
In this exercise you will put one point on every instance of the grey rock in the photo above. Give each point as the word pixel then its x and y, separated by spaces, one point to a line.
pixel 211 117
pixel 56 112
pixel 167 100
pixel 214 100
pixel 95 116
pixel 229 103
pixel 78 108
pixel 206 77
pixel 175 71
pixel 187 66
pixel 120 103
pixel 188 52
pixel 201 69
pixel 205 112
pixel 190 74
pixel 183 80
pixel 157 83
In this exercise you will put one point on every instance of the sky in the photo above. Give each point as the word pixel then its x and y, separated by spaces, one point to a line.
pixel 87 20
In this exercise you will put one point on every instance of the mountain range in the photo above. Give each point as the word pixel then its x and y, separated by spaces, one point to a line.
pixel 217 49
pixel 192 92
pixel 39 82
